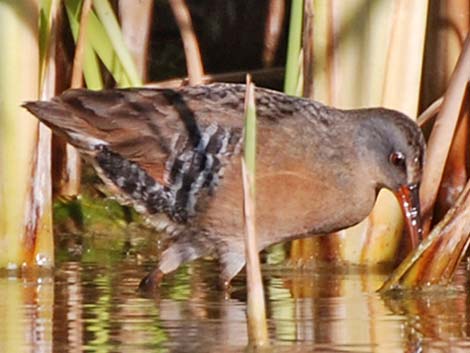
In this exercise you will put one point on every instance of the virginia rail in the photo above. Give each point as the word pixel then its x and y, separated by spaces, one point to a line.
pixel 174 156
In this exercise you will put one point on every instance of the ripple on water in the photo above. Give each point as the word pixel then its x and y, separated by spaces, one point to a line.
pixel 95 305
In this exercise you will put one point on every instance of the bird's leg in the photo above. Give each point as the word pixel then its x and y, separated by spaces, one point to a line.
pixel 151 281
pixel 231 263
pixel 186 248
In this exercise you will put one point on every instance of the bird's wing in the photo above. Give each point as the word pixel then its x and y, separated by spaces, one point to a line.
pixel 177 138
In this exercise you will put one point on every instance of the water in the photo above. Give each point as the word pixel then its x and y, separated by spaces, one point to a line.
pixel 90 303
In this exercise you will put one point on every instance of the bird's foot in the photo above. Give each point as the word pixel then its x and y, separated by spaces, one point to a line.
pixel 225 286
pixel 151 282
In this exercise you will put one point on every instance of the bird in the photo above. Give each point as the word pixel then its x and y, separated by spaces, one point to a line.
pixel 175 156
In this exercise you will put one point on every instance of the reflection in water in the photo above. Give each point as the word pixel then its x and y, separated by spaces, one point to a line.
pixel 94 305
pixel 26 314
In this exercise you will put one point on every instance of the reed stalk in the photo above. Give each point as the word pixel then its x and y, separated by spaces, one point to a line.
pixel 442 134
pixel 273 31
pixel 261 75
pixel 110 24
pixel 449 24
pixel 39 224
pixel 430 112
pixel 18 139
pixel 91 69
pixel 256 312
pixel 136 22
pixel 293 47
pixel 191 46
pixel 435 259
pixel 104 41
pixel 69 183
pixel 77 68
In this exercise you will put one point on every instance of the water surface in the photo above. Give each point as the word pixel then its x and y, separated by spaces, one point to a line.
pixel 91 303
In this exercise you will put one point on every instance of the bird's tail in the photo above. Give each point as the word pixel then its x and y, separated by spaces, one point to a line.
pixel 63 122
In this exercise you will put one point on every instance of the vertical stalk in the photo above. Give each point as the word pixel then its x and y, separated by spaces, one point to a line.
pixel 71 172
pixel 191 46
pixel 273 31
pixel 256 312
pixel 18 130
pixel 447 28
pixel 91 69
pixel 293 47
pixel 136 21
pixel 441 136
pixel 77 69
pixel 108 19
pixel 307 49
pixel 39 225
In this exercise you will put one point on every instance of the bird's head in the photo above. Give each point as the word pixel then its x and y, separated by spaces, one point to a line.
pixel 397 146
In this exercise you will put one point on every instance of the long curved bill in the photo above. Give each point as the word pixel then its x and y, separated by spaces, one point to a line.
pixel 408 195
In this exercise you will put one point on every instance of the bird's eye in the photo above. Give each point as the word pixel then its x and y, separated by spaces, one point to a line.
pixel 397 158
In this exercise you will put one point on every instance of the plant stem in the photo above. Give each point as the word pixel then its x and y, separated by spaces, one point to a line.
pixel 111 26
pixel 293 47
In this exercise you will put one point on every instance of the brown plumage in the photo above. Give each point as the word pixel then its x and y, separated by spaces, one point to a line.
pixel 174 156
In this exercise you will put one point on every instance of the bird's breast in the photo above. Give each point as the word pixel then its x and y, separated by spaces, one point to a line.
pixel 292 201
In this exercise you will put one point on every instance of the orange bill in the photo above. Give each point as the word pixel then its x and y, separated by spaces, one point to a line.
pixel 408 195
